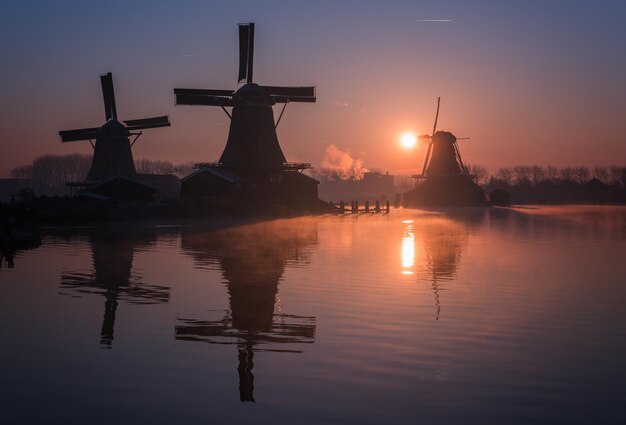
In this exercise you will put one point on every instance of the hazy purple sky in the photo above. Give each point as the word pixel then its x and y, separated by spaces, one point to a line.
pixel 530 81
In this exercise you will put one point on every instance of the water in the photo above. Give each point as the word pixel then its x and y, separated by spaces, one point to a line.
pixel 469 316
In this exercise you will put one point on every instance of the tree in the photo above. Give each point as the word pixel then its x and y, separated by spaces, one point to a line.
pixel 536 174
pixel 478 173
pixel 55 170
pixel 601 173
pixel 183 169
pixel 552 174
pixel 581 174
pixel 615 174
pixel 504 176
pixel 567 174
pixel 522 173
pixel 147 166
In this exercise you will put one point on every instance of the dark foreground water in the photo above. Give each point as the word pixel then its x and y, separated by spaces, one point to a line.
pixel 486 317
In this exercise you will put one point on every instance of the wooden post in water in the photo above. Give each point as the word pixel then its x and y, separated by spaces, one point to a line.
pixel 397 201
pixel 367 206
pixel 387 207
pixel 377 209
pixel 356 207
pixel 342 207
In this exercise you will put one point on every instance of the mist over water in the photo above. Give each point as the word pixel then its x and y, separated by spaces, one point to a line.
pixel 463 316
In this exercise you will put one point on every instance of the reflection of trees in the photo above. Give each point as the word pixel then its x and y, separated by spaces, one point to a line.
pixel 252 260
pixel 112 276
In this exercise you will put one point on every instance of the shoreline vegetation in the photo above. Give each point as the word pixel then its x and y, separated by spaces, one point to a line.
pixel 523 184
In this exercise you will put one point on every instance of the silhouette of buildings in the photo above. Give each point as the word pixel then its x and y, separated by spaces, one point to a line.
pixel 252 260
pixel 112 276
pixel 374 186
pixel 252 166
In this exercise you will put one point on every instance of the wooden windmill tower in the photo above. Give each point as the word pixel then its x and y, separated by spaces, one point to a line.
pixel 252 156
pixel 112 156
pixel 445 180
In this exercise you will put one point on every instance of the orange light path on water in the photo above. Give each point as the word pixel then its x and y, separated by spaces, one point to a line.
pixel 408 248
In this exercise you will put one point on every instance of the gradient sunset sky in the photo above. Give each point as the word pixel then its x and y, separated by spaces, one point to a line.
pixel 531 82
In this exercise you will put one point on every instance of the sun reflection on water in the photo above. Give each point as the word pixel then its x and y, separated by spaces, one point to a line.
pixel 408 248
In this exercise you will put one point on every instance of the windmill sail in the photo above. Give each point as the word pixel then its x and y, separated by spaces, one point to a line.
pixel 291 94
pixel 80 134
pixel 162 121
pixel 246 52
pixel 110 110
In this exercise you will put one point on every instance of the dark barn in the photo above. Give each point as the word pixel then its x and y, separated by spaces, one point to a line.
pixel 121 189
pixel 218 182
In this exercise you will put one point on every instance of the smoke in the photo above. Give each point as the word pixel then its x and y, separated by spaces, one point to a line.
pixel 342 163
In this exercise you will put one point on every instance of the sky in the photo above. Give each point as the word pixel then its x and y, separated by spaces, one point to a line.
pixel 530 82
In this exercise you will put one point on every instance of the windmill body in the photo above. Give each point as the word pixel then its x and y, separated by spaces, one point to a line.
pixel 112 154
pixel 112 173
pixel 252 166
pixel 445 180
pixel 252 139
pixel 445 159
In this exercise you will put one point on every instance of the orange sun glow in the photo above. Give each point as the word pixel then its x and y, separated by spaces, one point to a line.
pixel 408 140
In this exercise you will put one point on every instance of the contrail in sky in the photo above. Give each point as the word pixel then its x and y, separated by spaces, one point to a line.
pixel 433 20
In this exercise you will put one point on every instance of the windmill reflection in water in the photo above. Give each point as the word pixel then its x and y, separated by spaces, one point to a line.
pixel 442 242
pixel 252 260
pixel 113 277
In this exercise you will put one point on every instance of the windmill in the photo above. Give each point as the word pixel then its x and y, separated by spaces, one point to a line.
pixel 112 156
pixel 252 144
pixel 443 156
pixel 445 180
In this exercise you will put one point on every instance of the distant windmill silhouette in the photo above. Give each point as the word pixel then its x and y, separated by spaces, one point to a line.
pixel 252 141
pixel 112 155
pixel 445 180
pixel 443 156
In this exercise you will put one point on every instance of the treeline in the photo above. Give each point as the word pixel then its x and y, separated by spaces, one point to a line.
pixel 552 185
pixel 614 175
pixel 56 170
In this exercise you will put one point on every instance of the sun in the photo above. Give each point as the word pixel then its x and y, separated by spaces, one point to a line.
pixel 408 140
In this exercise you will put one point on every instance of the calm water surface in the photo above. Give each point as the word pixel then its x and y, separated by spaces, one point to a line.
pixel 473 316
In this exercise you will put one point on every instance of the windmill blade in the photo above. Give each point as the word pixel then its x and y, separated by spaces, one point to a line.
pixel 291 94
pixel 106 80
pixel 424 139
pixel 190 99
pixel 436 116
pixel 246 52
pixel 79 134
pixel 205 92
pixel 163 121
pixel 290 91
pixel 287 99
pixel 427 159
